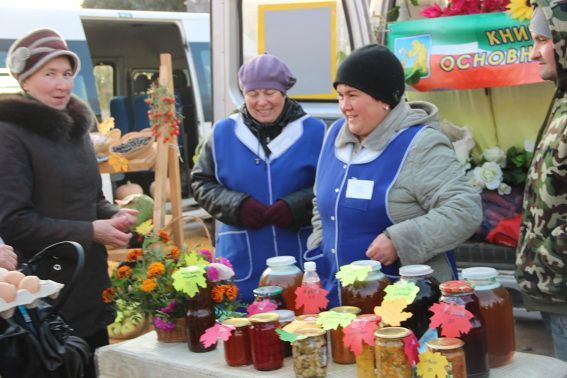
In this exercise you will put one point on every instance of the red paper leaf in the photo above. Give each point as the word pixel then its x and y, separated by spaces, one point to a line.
pixel 357 333
pixel 259 307
pixel 454 319
pixel 411 346
pixel 312 299
pixel 213 333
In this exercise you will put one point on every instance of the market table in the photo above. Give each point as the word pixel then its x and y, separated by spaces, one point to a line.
pixel 145 357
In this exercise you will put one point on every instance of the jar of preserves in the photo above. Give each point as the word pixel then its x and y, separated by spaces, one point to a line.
pixel 391 359
pixel 267 353
pixel 452 349
pixel 497 311
pixel 340 352
pixel 272 293
pixel 237 349
pixel 310 353
pixel 199 317
pixel 369 293
pixel 365 361
pixel 285 318
pixel 302 321
pixel 476 346
pixel 429 294
pixel 283 272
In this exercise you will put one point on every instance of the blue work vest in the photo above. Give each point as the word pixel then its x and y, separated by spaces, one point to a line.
pixel 242 165
pixel 352 219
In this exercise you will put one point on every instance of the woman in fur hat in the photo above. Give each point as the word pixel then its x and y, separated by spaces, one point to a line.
pixel 50 187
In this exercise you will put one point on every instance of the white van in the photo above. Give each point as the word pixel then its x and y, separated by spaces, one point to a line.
pixel 119 52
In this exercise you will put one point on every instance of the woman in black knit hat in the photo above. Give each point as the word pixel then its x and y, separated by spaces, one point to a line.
pixel 389 186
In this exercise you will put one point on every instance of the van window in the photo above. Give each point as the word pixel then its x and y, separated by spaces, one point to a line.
pixel 104 78
pixel 201 52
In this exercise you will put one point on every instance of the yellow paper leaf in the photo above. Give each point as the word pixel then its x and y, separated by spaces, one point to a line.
pixel 145 228
pixel 118 163
pixel 349 274
pixel 332 319
pixel 432 365
pixel 105 126
pixel 189 279
pixel 402 289
pixel 194 258
pixel 392 312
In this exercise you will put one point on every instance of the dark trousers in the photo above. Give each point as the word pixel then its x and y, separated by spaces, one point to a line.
pixel 95 340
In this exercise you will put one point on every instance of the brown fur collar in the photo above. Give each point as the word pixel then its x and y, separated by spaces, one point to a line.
pixel 51 123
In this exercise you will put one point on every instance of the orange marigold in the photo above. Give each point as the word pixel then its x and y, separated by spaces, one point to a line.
pixel 163 235
pixel 174 253
pixel 108 294
pixel 134 254
pixel 149 285
pixel 217 294
pixel 231 292
pixel 123 271
pixel 156 269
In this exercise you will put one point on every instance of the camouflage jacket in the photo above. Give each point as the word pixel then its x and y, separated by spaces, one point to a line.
pixel 542 250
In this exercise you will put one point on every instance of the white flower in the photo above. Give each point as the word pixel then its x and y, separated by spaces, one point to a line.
pixel 495 154
pixel 504 189
pixel 225 273
pixel 490 175
pixel 529 145
pixel 474 182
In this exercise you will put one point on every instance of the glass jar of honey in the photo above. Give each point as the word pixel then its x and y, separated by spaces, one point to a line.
pixel 285 318
pixel 199 317
pixel 273 294
pixel 365 361
pixel 310 353
pixel 476 345
pixel 340 352
pixel 368 293
pixel 391 359
pixel 283 272
pixel 237 349
pixel 267 353
pixel 429 294
pixel 497 312
pixel 452 349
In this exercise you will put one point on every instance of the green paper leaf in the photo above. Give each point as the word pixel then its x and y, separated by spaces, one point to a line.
pixel 195 259
pixel 189 279
pixel 349 274
pixel 401 289
pixel 289 336
pixel 332 319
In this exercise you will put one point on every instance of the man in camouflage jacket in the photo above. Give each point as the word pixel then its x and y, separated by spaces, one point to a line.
pixel 541 263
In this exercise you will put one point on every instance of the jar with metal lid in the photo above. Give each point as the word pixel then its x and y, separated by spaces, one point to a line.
pixel 302 321
pixel 391 359
pixel 283 272
pixel 310 353
pixel 429 294
pixel 340 352
pixel 368 293
pixel 237 349
pixel 272 293
pixel 452 349
pixel 365 361
pixel 497 311
pixel 476 346
pixel 267 353
pixel 286 317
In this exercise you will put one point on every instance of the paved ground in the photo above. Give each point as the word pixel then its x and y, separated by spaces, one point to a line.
pixel 532 337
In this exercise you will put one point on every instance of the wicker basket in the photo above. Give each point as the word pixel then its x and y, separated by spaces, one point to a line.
pixel 142 152
pixel 176 335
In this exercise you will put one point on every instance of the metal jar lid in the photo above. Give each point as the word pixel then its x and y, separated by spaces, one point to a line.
pixel 237 322
pixel 445 343
pixel 459 286
pixel 347 309
pixel 265 317
pixel 392 333
pixel 310 331
pixel 268 291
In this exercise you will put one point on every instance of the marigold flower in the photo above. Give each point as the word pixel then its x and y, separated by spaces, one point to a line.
pixel 174 253
pixel 156 269
pixel 231 292
pixel 163 235
pixel 217 294
pixel 149 285
pixel 123 271
pixel 108 295
pixel 134 254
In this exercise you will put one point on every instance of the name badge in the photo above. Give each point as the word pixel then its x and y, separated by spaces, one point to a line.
pixel 360 189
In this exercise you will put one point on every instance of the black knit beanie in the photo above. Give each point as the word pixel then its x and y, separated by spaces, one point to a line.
pixel 375 70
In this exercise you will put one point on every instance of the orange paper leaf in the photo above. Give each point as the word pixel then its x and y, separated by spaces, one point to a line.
pixel 357 333
pixel 392 312
pixel 454 319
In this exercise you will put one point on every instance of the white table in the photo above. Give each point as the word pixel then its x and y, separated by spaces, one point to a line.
pixel 145 357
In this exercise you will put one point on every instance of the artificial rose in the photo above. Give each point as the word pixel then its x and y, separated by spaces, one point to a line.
pixel 529 145
pixel 473 181
pixel 504 189
pixel 495 154
pixel 490 175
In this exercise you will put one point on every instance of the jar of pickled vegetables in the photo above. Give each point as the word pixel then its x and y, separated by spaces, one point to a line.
pixel 267 353
pixel 429 293
pixel 285 318
pixel 283 272
pixel 310 353
pixel 497 311
pixel 452 349
pixel 476 346
pixel 340 352
pixel 368 293
pixel 365 361
pixel 273 294
pixel 391 359
pixel 237 349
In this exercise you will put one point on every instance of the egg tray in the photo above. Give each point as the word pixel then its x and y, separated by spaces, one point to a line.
pixel 47 288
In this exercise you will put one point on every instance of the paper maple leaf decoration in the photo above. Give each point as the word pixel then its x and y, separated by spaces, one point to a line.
pixel 349 274
pixel 392 312
pixel 313 300
pixel 289 336
pixel 411 346
pixel 432 365
pixel 453 319
pixel 259 307
pixel 189 279
pixel 213 333
pixel 118 163
pixel 332 319
pixel 358 333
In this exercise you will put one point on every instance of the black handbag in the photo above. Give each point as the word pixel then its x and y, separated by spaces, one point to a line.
pixel 37 342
